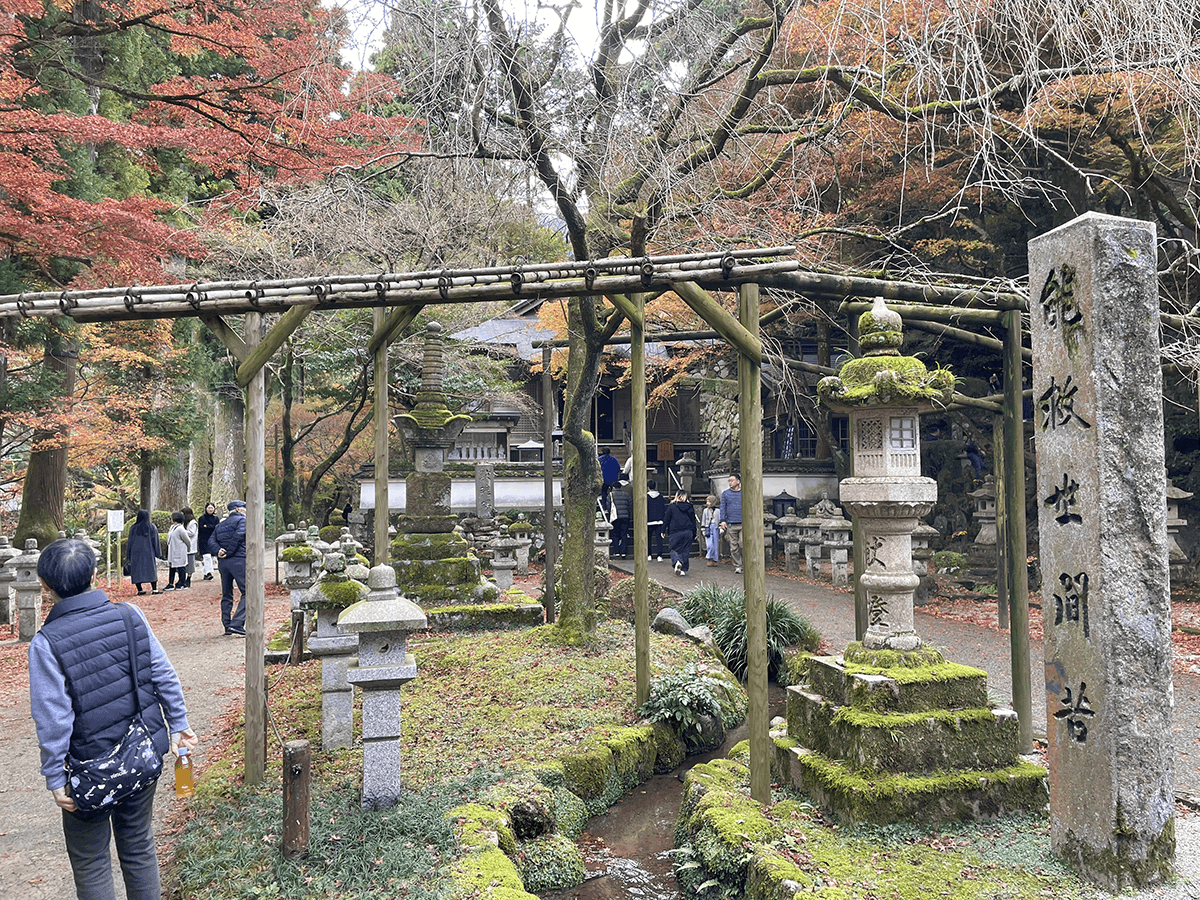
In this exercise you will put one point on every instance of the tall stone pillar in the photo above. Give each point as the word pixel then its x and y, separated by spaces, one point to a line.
pixel 1097 390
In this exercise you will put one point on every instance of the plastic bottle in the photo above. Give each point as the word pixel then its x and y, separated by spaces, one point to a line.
pixel 184 786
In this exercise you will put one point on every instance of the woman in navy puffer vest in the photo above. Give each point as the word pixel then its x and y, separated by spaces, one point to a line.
pixel 82 702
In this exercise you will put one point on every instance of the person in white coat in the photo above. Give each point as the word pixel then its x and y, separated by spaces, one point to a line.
pixel 177 553
pixel 192 527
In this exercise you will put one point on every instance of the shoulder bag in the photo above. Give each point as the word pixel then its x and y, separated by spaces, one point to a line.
pixel 130 765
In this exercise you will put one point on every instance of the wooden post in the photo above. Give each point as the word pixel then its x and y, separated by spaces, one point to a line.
pixel 256 606
pixel 296 798
pixel 1014 505
pixel 753 549
pixel 641 537
pixel 1002 549
pixel 296 645
pixel 381 442
pixel 551 527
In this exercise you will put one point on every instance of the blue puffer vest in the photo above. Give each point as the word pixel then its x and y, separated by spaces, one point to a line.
pixel 87 634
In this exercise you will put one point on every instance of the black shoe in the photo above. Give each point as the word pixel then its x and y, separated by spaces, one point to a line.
pixel 170 587
pixel 236 632
pixel 141 593
pixel 208 577
pixel 159 592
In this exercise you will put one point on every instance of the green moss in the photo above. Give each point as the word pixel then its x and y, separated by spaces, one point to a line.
pixel 300 553
pixel 481 827
pixel 569 812
pixel 1125 862
pixel 591 775
pixel 549 863
pixel 633 754
pixel 951 719
pixel 892 380
pixel 878 660
pixel 489 873
pixel 669 749
pixel 429 546
pixel 442 571
pixel 337 594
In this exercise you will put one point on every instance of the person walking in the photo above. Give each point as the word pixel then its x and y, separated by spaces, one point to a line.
pixel 679 523
pixel 193 532
pixel 656 508
pixel 622 519
pixel 206 523
pixel 177 551
pixel 731 519
pixel 82 702
pixel 228 545
pixel 143 551
pixel 710 528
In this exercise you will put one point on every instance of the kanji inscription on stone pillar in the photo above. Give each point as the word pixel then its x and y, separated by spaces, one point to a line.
pixel 1098 433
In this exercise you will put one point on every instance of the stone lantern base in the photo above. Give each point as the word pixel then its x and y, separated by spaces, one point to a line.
pixel 891 737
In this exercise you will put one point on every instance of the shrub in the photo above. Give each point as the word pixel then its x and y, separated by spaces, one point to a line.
pixel 948 561
pixel 724 610
pixel 681 699
pixel 619 604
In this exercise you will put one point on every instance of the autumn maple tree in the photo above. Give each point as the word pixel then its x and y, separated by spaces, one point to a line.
pixel 129 128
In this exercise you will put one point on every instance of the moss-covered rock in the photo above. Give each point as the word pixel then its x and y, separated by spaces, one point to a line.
pixel 551 862
pixel 484 616
pixel 669 748
pixel 592 775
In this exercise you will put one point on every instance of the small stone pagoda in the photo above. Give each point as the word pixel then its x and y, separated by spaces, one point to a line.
pixel 890 731
pixel 434 564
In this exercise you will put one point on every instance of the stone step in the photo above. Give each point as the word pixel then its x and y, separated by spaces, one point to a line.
pixel 944 686
pixel 978 794
pixel 888 742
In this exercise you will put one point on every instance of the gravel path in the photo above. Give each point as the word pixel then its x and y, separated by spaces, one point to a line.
pixel 33 860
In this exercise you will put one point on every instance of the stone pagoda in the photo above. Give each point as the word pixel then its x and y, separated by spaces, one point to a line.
pixel 434 563
pixel 889 731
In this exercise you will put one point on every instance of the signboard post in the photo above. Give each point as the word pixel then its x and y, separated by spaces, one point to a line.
pixel 116 523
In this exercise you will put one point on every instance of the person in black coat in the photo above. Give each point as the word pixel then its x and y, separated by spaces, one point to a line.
pixel 679 522
pixel 656 507
pixel 207 524
pixel 622 519
pixel 143 553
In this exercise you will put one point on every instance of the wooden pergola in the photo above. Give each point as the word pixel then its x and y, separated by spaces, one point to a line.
pixel 626 283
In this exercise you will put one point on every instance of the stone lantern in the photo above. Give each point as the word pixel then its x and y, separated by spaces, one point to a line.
pixel 333 592
pixel 504 558
pixel 884 393
pixel 835 537
pixel 810 537
pixel 314 541
pixel 769 532
pixel 982 551
pixel 1175 555
pixel 603 530
pixel 8 602
pixel 787 527
pixel 688 466
pixel 383 622
pixel 28 590
pixel 922 549
pixel 522 531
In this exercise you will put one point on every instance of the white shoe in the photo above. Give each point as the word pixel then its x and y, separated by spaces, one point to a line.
pixel 660 559
pixel 648 559
pixel 678 568
pixel 737 571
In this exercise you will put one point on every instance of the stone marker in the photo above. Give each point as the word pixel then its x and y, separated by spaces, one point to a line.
pixel 1098 428
pixel 28 591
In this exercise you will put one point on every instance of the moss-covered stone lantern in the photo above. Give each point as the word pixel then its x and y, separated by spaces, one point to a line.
pixel 883 393
pixel 8 603
pixel 28 591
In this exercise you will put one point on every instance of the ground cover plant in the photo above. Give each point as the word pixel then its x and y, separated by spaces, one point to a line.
pixel 484 705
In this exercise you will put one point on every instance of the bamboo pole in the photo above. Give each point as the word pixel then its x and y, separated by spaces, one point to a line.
pixel 753 548
pixel 551 527
pixel 382 421
pixel 803 282
pixel 641 537
pixel 256 700
pixel 964 336
pixel 1014 503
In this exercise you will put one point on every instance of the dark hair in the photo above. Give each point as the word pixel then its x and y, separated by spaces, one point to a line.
pixel 67 567
pixel 188 515
pixel 143 524
pixel 651 484
pixel 177 517
pixel 735 475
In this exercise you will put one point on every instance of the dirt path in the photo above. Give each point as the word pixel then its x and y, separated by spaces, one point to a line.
pixel 33 860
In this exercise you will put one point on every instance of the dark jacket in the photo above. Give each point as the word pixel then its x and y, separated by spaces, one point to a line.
pixel 622 504
pixel 88 637
pixel 681 516
pixel 656 505
pixel 207 523
pixel 229 536
pixel 144 551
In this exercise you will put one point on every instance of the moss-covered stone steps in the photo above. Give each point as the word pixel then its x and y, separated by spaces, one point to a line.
pixel 897 689
pixel 930 740
pixel 858 798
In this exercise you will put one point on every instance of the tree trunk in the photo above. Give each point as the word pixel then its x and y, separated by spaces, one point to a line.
pixel 229 450
pixel 200 471
pixel 45 488
pixel 169 483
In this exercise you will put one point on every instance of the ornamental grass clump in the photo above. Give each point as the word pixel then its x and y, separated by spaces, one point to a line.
pixel 724 611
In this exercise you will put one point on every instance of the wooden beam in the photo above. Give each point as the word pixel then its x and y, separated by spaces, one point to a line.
pixel 627 308
pixel 967 337
pixel 915 312
pixel 743 340
pixel 754 548
pixel 231 340
pixel 827 285
pixel 381 423
pixel 256 683
pixel 386 332
pixel 1014 504
pixel 641 537
pixel 265 349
